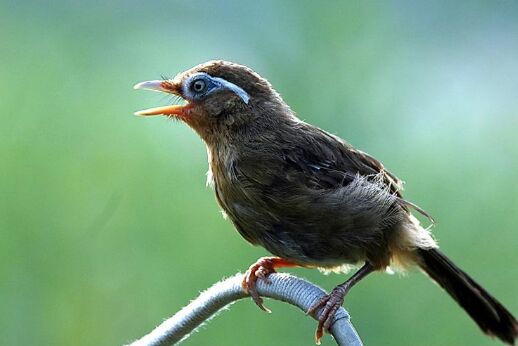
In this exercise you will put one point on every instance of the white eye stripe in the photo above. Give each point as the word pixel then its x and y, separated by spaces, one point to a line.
pixel 234 88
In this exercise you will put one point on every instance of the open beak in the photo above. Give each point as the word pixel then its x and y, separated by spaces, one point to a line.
pixel 165 87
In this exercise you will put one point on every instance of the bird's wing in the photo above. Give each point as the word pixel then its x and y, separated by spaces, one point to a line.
pixel 327 162
pixel 316 160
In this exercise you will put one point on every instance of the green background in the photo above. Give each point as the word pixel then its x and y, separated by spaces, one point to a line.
pixel 106 226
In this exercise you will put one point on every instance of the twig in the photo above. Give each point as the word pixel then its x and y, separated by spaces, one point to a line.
pixel 283 287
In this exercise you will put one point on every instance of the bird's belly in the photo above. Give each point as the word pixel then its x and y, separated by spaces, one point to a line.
pixel 313 227
pixel 299 240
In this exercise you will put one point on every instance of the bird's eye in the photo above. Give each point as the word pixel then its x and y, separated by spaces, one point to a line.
pixel 198 86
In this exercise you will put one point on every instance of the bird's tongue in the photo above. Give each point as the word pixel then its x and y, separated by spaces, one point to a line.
pixel 165 110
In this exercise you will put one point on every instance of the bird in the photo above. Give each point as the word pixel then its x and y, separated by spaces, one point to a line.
pixel 309 197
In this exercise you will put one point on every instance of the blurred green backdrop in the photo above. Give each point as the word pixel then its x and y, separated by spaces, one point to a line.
pixel 106 224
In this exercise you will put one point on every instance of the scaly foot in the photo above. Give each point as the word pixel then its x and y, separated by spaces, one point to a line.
pixel 331 303
pixel 260 270
pixel 334 300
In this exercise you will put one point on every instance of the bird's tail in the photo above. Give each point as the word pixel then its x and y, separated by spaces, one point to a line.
pixel 490 315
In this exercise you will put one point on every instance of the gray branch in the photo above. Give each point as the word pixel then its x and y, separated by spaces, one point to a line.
pixel 283 287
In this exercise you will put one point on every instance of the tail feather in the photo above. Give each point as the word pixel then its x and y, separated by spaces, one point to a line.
pixel 490 315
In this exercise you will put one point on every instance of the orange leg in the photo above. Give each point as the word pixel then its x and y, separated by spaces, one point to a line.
pixel 260 270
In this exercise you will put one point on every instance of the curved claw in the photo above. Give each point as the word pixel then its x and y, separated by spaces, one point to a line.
pixel 259 270
pixel 250 286
pixel 331 303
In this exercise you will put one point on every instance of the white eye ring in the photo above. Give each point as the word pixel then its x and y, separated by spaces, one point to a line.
pixel 202 84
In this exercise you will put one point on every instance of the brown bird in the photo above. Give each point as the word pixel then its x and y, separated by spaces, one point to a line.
pixel 309 197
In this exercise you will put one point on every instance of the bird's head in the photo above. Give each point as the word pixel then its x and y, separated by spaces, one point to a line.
pixel 221 97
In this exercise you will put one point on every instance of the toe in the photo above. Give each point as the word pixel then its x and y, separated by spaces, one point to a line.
pixel 258 300
pixel 321 302
pixel 262 274
pixel 330 303
pixel 249 285
pixel 331 316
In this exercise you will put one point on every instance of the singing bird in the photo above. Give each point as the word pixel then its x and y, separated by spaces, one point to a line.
pixel 307 196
